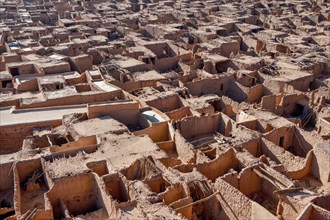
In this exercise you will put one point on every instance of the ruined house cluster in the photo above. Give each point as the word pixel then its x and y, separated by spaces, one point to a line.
pixel 164 109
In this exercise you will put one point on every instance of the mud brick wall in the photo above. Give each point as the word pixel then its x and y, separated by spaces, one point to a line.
pixel 12 136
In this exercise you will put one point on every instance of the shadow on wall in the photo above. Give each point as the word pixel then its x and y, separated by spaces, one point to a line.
pixel 75 195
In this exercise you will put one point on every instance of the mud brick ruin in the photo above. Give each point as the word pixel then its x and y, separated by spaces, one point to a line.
pixel 165 109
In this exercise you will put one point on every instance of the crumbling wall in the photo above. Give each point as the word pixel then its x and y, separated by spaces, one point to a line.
pixel 303 142
pixel 81 63
pixel 266 149
pixel 173 193
pixel 228 199
pixel 157 184
pixel 319 213
pixel 291 207
pixel 237 92
pixel 229 106
pixel 249 181
pixel 98 167
pixel 232 179
pixel 140 68
pixel 26 168
pixel 76 80
pixel 321 162
pixel 7 176
pixel 226 125
pixel 296 167
pixel 251 124
pixel 158 47
pixel 7 202
pixel 183 148
pixel 80 98
pixel 255 93
pixel 180 113
pixel 166 104
pixel 217 86
pixel 126 112
pixel 158 132
pixel 56 68
pixel 268 189
pixel 190 126
pixel 282 137
pixel 80 143
pixel 259 212
pixel 129 86
pixel 78 193
pixel 17 192
pixel 227 48
pixel 11 142
pixel 252 146
pixel 303 171
pixel 323 127
pixel 276 87
pixel 116 187
pixel 167 146
pixel 322 201
pixel 167 63
pixel 13 102
pixel 218 167
pixel 141 169
pixel 187 211
pixel 268 103
pixel 302 84
pixel 169 162
pixel 23 171
pixel 288 102
pixel 29 85
pixel 37 141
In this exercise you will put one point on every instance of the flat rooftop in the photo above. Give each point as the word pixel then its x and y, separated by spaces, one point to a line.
pixel 10 116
